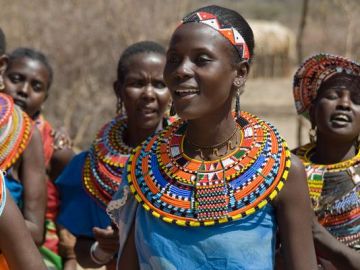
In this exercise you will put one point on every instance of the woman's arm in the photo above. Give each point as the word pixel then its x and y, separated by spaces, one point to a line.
pixel 294 216
pixel 16 242
pixel 328 247
pixel 32 176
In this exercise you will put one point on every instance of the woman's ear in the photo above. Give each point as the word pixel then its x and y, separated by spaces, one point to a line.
pixel 242 70
pixel 117 89
pixel 4 60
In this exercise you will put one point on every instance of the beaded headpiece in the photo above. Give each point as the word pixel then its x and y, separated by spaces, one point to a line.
pixel 227 31
pixel 15 132
pixel 315 71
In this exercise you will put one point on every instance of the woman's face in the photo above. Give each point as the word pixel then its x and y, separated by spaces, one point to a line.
pixel 27 81
pixel 337 110
pixel 143 90
pixel 199 71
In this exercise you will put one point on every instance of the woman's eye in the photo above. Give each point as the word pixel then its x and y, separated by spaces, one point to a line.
pixel 159 84
pixel 173 58
pixel 137 84
pixel 37 87
pixel 202 59
pixel 331 95
pixel 14 78
pixel 355 98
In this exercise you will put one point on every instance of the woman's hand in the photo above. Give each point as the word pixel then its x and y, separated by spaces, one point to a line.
pixel 108 239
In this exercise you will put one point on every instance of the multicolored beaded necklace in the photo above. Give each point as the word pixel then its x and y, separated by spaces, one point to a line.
pixel 15 132
pixel 105 161
pixel 189 192
pixel 335 194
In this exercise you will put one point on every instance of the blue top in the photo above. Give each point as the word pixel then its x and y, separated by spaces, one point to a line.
pixel 16 189
pixel 248 243
pixel 79 213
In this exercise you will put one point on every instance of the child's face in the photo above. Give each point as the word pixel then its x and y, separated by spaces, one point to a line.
pixel 199 71
pixel 27 80
pixel 143 91
pixel 337 109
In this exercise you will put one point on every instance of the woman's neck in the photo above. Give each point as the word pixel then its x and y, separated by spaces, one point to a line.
pixel 134 135
pixel 333 151
pixel 216 129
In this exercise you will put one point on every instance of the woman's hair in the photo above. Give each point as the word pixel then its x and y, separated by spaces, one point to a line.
pixel 2 42
pixel 228 18
pixel 34 55
pixel 136 48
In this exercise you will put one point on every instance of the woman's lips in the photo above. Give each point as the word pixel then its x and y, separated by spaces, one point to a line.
pixel 186 93
pixel 20 103
pixel 340 119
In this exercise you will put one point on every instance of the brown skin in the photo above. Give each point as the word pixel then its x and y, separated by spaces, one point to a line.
pixel 33 181
pixel 145 97
pixel 3 63
pixel 27 81
pixel 338 98
pixel 15 242
pixel 200 59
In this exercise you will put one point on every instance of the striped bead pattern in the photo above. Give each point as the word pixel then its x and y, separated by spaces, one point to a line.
pixel 188 192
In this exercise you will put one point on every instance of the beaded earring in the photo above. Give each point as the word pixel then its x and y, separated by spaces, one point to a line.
pixel 238 84
pixel 119 107
pixel 237 104
pixel 172 109
pixel 2 85
pixel 312 135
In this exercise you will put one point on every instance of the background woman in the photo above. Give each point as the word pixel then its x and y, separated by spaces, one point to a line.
pixel 90 180
pixel 327 92
pixel 220 176
pixel 27 79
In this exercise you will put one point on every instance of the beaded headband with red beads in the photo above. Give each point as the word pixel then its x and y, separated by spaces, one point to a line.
pixel 229 32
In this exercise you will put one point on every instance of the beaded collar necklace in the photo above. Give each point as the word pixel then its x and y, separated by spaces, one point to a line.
pixel 105 162
pixel 189 192
pixel 316 172
pixel 15 132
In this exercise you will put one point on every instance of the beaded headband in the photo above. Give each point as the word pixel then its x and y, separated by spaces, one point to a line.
pixel 315 71
pixel 229 32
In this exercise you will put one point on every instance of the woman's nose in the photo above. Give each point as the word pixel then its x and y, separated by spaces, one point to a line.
pixel 149 91
pixel 184 70
pixel 24 89
pixel 345 101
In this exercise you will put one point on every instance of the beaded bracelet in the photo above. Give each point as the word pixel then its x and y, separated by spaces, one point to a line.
pixel 98 255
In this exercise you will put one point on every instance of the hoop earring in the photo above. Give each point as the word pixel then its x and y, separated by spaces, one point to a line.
pixel 312 135
pixel 237 104
pixel 172 109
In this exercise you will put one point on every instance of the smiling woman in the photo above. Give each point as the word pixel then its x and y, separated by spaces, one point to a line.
pixel 211 190
pixel 327 91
